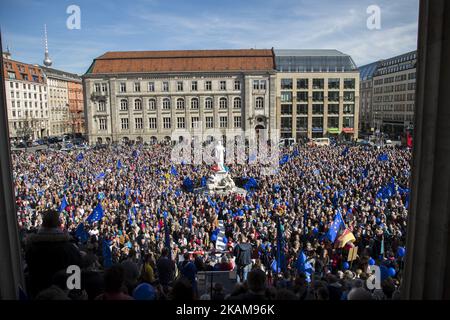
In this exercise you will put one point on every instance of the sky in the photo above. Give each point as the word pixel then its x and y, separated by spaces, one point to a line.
pixel 126 25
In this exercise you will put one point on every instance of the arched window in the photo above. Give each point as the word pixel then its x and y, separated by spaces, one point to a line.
pixel 223 104
pixel 259 103
pixel 123 105
pixel 166 104
pixel 208 103
pixel 151 104
pixel 237 103
pixel 194 103
pixel 180 103
pixel 137 104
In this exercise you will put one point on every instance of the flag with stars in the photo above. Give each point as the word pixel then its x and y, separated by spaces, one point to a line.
pixel 338 222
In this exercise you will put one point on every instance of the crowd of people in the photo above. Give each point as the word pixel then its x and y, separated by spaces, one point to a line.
pixel 124 215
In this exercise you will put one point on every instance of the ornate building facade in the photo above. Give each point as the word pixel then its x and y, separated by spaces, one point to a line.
pixel 146 96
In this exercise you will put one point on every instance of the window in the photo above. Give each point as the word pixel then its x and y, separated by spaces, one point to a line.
pixel 101 106
pixel 223 122
pixel 223 103
pixel 349 83
pixel 97 87
pixel 137 87
pixel 104 87
pixel 123 87
pixel 302 84
pixel 138 124
pixel 180 86
pixel 180 104
pixel 237 122
pixel 194 103
pixel 317 123
pixel 349 109
pixel 194 122
pixel 237 103
pixel 302 96
pixel 194 86
pixel 151 104
pixel 237 85
pixel 124 123
pixel 151 87
pixel 333 122
pixel 286 124
pixel 11 85
pixel 262 85
pixel 209 122
pixel 208 103
pixel 318 96
pixel 166 104
pixel 255 84
pixel 286 96
pixel 334 84
pixel 152 123
pixel 123 105
pixel 348 122
pixel 302 109
pixel 181 123
pixel 349 96
pixel 333 96
pixel 259 103
pixel 333 109
pixel 223 85
pixel 165 86
pixel 317 108
pixel 166 123
pixel 318 83
pixel 102 124
pixel 302 123
pixel 286 109
pixel 286 84
pixel 208 85
pixel 137 104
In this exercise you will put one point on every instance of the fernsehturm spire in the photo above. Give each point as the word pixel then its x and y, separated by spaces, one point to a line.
pixel 47 60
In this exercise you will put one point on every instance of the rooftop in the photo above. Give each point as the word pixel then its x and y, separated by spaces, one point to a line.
pixel 313 60
pixel 59 74
pixel 183 61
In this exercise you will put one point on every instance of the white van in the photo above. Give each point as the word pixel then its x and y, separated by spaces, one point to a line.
pixel 321 141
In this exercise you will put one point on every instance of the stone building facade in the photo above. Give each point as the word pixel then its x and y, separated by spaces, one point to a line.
pixel 76 106
pixel 147 96
pixel 317 94
pixel 26 100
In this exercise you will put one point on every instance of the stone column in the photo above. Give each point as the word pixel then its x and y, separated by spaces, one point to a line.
pixel 11 276
pixel 427 274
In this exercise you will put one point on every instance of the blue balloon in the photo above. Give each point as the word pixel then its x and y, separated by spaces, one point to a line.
pixel 371 262
pixel 401 252
pixel 345 265
pixel 391 272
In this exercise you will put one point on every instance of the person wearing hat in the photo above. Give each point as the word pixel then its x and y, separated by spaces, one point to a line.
pixel 145 291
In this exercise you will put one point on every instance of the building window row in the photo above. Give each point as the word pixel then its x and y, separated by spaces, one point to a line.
pixel 180 86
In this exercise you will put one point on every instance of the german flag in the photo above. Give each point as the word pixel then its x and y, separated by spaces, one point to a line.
pixel 346 237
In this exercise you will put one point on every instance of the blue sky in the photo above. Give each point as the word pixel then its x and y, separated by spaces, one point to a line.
pixel 205 24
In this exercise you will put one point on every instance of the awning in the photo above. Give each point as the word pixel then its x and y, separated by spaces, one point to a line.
pixel 347 130
pixel 334 130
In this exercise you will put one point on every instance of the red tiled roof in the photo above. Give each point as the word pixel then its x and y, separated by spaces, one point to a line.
pixel 21 70
pixel 183 61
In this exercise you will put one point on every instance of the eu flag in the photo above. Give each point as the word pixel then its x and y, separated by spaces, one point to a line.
pixel 81 233
pixel 383 157
pixel 63 205
pixel 304 266
pixel 188 184
pixel 119 164
pixel 173 171
pixel 79 157
pixel 335 227
pixel 96 215
pixel 284 159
